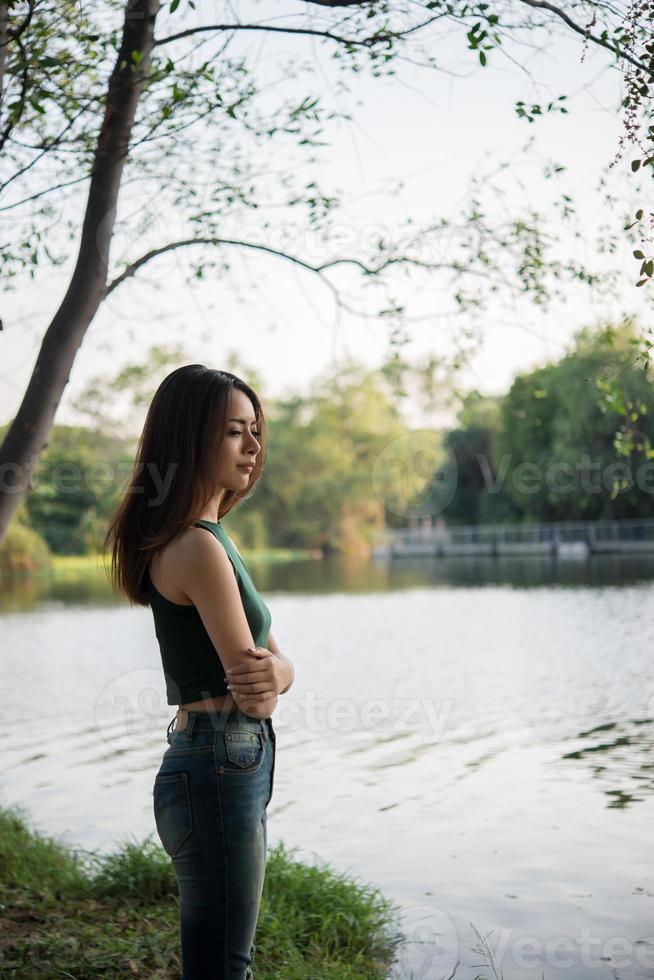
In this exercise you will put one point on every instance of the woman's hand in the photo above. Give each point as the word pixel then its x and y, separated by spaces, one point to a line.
pixel 257 709
pixel 258 680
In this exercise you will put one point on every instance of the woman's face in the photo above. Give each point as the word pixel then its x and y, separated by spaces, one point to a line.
pixel 240 444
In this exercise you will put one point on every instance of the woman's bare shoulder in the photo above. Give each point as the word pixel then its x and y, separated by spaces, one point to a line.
pixel 199 547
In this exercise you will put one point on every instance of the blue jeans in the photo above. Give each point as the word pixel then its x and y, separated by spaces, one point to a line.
pixel 210 797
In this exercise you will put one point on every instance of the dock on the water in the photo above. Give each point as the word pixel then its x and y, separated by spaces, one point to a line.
pixel 566 539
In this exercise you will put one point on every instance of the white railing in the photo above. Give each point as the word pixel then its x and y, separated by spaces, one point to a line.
pixel 627 534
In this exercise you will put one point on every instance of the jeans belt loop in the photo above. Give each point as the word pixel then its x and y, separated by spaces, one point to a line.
pixel 184 722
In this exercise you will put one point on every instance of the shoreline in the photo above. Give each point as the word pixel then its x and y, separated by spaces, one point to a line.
pixel 75 913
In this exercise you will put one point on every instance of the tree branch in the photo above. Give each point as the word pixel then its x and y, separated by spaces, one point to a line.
pixel 47 190
pixel 154 253
pixel 17 31
pixel 367 270
pixel 341 3
pixel 43 150
pixel 205 28
pixel 23 95
pixel 545 5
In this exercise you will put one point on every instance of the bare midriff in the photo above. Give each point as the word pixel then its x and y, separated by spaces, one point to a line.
pixel 219 702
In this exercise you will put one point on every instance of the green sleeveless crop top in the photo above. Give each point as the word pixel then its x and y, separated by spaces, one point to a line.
pixel 191 664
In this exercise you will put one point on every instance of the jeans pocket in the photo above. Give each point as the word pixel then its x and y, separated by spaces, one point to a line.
pixel 244 748
pixel 172 810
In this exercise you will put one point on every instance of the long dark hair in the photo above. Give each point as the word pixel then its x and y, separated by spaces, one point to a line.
pixel 183 433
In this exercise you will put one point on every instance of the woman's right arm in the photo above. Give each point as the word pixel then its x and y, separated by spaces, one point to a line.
pixel 206 575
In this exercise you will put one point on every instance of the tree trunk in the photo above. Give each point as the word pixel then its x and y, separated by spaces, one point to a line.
pixel 29 430
pixel 4 18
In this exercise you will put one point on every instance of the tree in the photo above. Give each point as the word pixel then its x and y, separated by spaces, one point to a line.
pixel 471 443
pixel 94 107
pixel 75 488
pixel 560 421
pixel 322 449
pixel 133 386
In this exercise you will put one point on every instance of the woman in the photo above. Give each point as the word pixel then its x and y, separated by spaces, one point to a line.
pixel 199 455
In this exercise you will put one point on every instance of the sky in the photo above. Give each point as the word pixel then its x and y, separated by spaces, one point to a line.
pixel 431 131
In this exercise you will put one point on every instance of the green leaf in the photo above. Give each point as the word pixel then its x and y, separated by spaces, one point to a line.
pixel 635 165
pixel 174 5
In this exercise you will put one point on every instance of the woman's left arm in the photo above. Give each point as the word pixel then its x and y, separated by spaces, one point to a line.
pixel 272 646
pixel 246 683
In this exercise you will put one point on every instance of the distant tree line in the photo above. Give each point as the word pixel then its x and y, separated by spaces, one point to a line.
pixel 546 450
pixel 551 449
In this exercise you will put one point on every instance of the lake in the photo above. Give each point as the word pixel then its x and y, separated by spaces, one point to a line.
pixel 473 736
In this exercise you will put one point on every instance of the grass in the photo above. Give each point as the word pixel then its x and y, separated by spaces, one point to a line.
pixel 65 912
pixel 75 564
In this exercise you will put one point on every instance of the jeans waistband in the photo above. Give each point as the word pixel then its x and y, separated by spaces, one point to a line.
pixel 217 719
